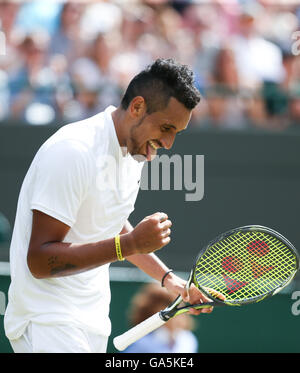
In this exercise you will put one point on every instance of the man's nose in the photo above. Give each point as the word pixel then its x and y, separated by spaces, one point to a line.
pixel 168 141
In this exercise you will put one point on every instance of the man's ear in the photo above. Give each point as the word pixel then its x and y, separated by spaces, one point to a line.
pixel 137 107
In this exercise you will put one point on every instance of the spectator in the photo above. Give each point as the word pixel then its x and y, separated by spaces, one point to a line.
pixel 4 95
pixel 175 336
pixel 294 108
pixel 36 15
pixel 100 18
pixel 224 104
pixel 93 81
pixel 67 40
pixel 258 60
pixel 32 84
pixel 277 95
pixel 8 14
pixel 201 20
pixel 132 55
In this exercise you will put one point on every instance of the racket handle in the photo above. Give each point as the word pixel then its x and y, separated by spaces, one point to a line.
pixel 138 331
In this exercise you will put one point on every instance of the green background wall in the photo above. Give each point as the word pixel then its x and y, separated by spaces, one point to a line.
pixel 264 327
pixel 250 178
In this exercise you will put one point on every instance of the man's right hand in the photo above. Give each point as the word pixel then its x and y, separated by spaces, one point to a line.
pixel 151 234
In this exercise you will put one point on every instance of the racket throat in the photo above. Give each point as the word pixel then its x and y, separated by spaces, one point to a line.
pixel 170 311
pixel 167 315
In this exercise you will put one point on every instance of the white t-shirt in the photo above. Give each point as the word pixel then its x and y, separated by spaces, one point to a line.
pixel 73 179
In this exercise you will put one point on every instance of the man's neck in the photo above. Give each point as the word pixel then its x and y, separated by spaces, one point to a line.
pixel 119 119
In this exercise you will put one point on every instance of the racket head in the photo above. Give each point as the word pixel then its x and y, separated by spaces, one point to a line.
pixel 246 264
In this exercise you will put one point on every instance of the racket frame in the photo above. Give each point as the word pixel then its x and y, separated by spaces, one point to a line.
pixel 247 228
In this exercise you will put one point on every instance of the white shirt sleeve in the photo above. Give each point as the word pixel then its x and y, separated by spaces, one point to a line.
pixel 62 179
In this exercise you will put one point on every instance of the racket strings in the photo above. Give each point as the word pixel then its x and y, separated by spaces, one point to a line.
pixel 245 265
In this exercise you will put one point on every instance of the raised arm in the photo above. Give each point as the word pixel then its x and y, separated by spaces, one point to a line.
pixel 155 268
pixel 48 256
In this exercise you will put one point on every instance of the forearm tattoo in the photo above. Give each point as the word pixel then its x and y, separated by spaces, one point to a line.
pixel 58 267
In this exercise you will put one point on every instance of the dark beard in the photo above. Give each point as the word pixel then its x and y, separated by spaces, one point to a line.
pixel 132 141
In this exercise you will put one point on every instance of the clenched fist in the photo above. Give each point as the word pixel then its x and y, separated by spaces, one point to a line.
pixel 151 234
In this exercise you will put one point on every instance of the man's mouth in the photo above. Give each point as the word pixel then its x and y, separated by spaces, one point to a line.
pixel 151 150
pixel 153 145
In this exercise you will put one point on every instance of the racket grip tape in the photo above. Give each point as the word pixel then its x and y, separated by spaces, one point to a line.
pixel 138 331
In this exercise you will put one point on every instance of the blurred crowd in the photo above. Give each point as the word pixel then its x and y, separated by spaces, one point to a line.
pixel 64 61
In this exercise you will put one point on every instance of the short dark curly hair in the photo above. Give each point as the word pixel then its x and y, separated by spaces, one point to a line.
pixel 164 79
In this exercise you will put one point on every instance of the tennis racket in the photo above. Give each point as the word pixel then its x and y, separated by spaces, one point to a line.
pixel 246 265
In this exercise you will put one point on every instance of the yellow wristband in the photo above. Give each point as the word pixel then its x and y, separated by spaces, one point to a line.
pixel 118 248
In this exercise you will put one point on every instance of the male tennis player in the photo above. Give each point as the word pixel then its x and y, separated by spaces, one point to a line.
pixel 70 226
